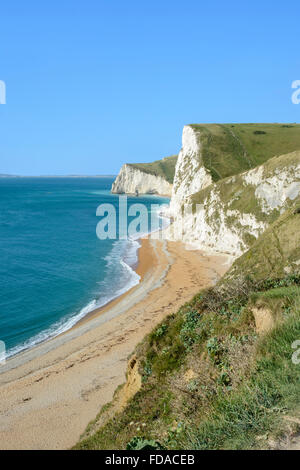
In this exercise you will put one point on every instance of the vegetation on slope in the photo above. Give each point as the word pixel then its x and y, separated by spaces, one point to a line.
pixel 229 149
pixel 209 380
pixel 164 168
pixel 276 252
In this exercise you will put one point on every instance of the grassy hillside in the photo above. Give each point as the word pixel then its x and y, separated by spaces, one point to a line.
pixel 210 379
pixel 164 168
pixel 228 149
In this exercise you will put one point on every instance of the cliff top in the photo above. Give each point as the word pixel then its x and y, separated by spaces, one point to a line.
pixel 164 168
pixel 228 149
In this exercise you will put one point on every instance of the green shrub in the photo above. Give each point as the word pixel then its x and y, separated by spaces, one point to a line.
pixel 140 443
pixel 161 331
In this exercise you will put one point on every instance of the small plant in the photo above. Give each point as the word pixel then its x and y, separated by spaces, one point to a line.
pixel 224 378
pixel 140 443
pixel 165 350
pixel 161 331
pixel 147 369
pixel 214 349
pixel 193 385
pixel 187 333
pixel 174 433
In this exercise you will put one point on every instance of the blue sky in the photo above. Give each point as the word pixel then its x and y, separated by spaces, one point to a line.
pixel 93 84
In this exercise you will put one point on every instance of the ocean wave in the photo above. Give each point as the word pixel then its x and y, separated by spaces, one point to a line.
pixel 56 329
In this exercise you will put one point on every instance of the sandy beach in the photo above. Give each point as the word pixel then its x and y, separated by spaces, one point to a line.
pixel 49 394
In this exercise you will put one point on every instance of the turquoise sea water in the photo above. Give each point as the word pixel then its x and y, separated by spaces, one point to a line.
pixel 53 268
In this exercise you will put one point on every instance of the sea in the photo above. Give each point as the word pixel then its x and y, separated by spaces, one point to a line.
pixel 54 269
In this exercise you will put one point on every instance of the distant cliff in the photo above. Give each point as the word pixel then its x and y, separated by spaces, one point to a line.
pixel 146 178
pixel 130 180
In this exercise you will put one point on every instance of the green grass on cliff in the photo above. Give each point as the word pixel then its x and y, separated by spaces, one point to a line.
pixel 164 168
pixel 209 380
pixel 229 149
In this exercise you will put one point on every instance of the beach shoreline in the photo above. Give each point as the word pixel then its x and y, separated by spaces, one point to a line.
pixel 43 403
pixel 143 264
pixel 146 262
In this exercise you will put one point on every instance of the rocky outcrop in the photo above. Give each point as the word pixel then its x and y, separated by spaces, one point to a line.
pixel 264 321
pixel 133 382
pixel 131 179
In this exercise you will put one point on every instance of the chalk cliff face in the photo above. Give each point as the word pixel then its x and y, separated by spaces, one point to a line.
pixel 131 179
pixel 190 173
pixel 229 215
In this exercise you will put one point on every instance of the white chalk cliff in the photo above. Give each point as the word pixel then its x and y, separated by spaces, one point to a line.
pixel 190 173
pixel 131 179
pixel 227 216
pixel 218 217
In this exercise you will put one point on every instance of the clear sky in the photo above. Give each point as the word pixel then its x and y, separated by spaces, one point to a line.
pixel 93 84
